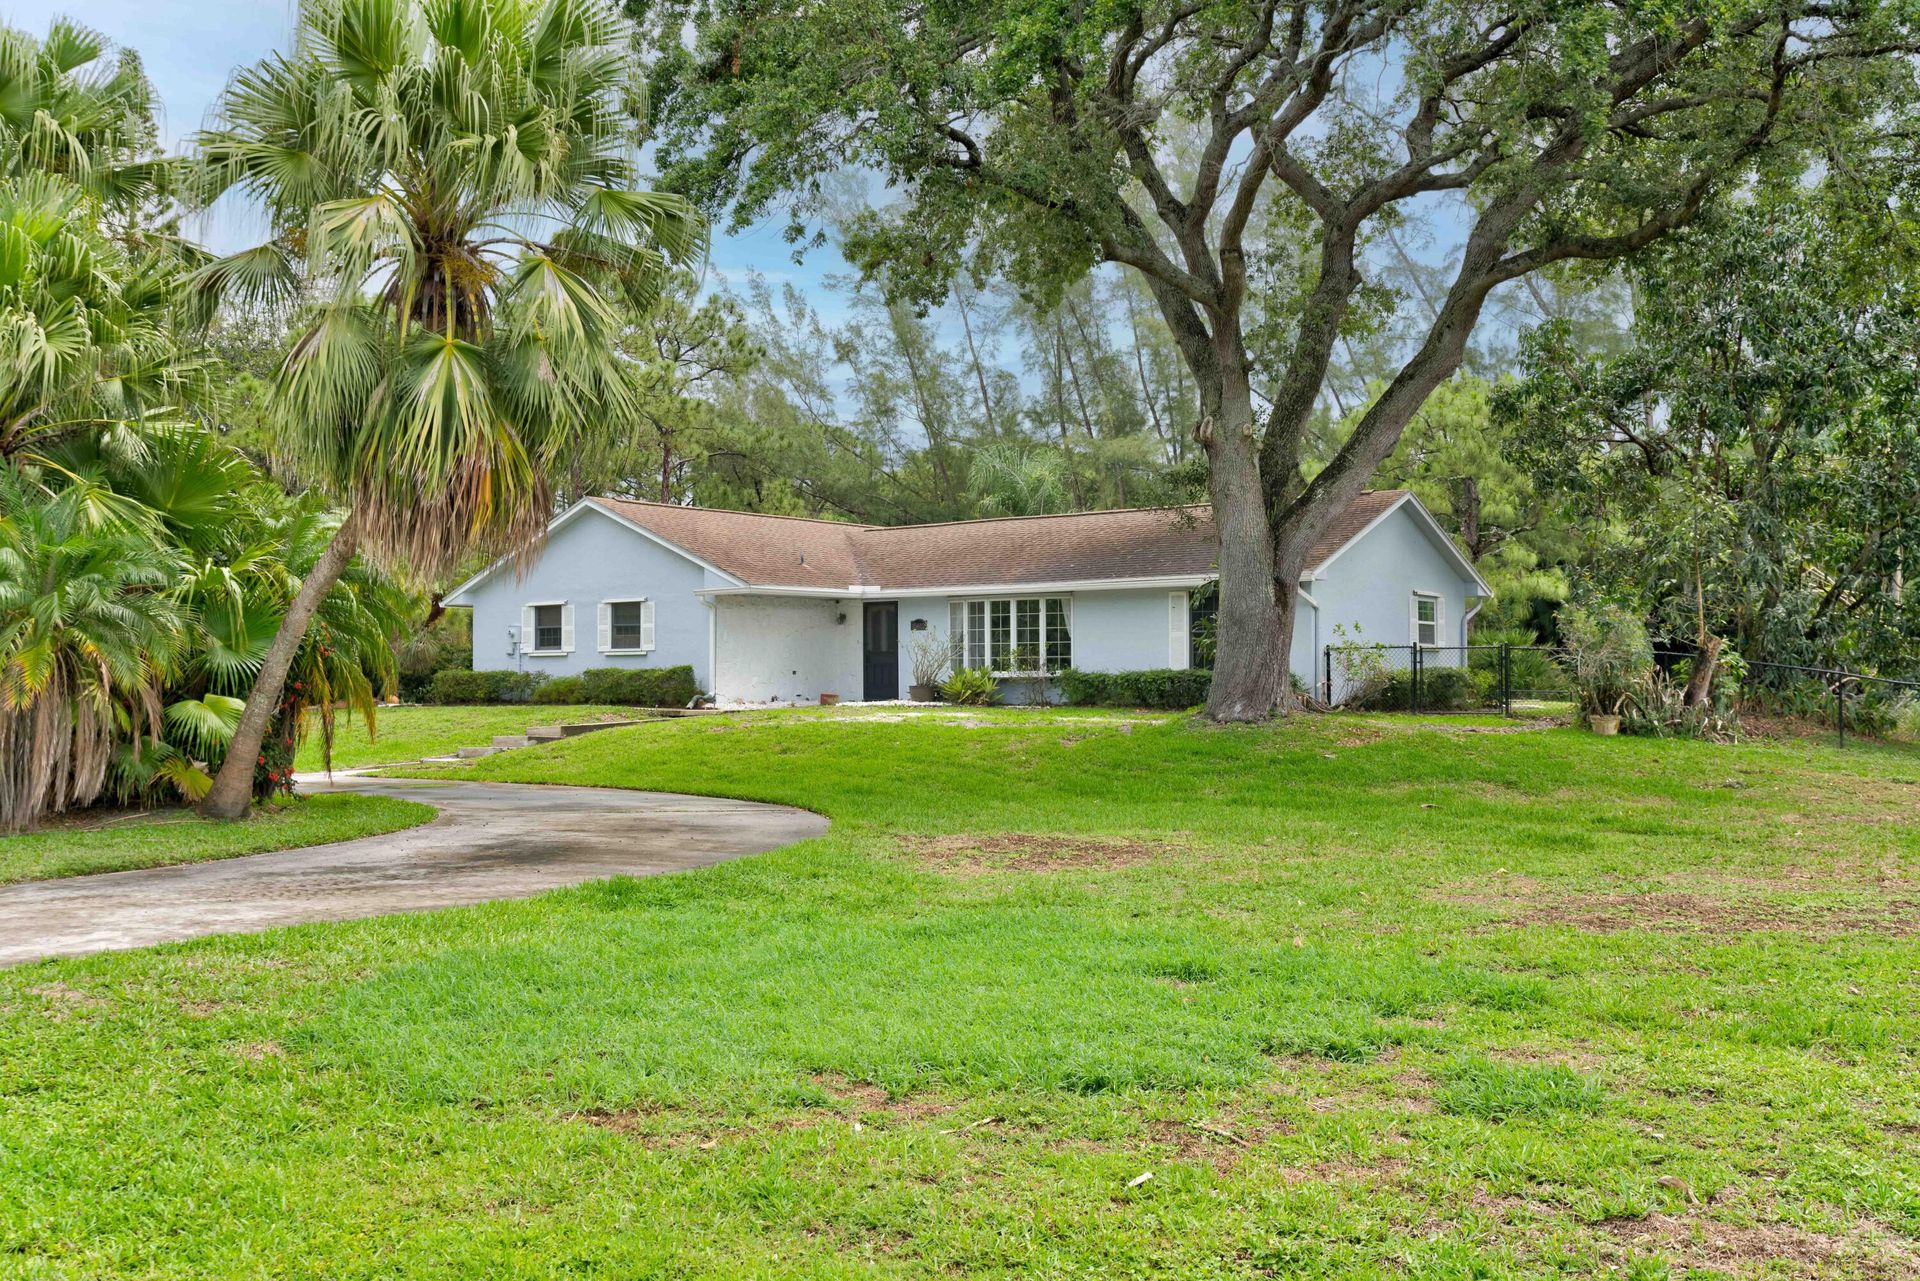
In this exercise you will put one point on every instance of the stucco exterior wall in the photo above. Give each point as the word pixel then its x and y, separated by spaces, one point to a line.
pixel 589 559
pixel 786 649
pixel 1368 589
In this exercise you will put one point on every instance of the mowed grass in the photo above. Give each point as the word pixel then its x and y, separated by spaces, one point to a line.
pixel 402 735
pixel 1361 997
pixel 120 842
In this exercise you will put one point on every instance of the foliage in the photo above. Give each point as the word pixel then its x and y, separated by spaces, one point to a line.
pixel 1360 668
pixel 561 690
pixel 87 326
pixel 405 153
pixel 929 655
pixel 1743 468
pixel 1034 145
pixel 640 686
pixel 447 643
pixel 65 109
pixel 971 687
pixel 1174 689
pixel 453 686
pixel 87 630
pixel 1609 654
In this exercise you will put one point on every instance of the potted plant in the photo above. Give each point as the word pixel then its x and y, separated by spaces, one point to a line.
pixel 930 657
pixel 1611 656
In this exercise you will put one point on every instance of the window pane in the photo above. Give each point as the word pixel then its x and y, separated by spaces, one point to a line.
pixel 1429 609
pixel 1026 632
pixel 546 627
pixel 976 633
pixel 1059 632
pixel 626 624
pixel 1000 618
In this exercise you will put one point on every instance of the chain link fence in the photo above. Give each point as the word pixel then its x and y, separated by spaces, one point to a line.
pixel 1502 679
pixel 1536 680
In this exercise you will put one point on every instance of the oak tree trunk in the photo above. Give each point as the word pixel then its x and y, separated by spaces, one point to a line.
pixel 232 791
pixel 1256 603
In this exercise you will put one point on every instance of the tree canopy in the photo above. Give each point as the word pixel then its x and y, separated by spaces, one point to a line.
pixel 1035 141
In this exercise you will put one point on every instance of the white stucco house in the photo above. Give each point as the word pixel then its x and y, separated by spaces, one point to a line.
pixel 780 609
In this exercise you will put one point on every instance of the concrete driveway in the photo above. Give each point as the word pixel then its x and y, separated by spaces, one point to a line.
pixel 490 841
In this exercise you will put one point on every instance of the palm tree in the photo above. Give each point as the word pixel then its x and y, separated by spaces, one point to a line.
pixel 86 630
pixel 66 109
pixel 453 182
pixel 87 339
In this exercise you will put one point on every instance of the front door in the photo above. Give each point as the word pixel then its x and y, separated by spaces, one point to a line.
pixel 882 678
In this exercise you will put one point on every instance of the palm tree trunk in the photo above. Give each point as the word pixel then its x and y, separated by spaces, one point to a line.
pixel 232 790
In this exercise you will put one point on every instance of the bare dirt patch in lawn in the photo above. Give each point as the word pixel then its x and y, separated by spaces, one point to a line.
pixel 1678 911
pixel 853 1103
pixel 979 855
pixel 1869 1251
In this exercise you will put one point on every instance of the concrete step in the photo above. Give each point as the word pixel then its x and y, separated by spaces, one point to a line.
pixel 472 753
pixel 507 742
pixel 548 733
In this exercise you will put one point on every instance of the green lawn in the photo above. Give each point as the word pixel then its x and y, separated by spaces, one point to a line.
pixel 1362 996
pixel 406 734
pixel 154 838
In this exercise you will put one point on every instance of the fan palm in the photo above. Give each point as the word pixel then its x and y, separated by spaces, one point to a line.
pixel 87 340
pixel 453 184
pixel 86 630
pixel 67 108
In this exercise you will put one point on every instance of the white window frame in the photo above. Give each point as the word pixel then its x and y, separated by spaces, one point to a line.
pixel 971 631
pixel 1439 620
pixel 530 628
pixel 604 628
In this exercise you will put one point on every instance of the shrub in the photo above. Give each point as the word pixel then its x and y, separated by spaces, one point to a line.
pixel 562 689
pixel 453 686
pixel 639 686
pixel 972 687
pixel 1611 656
pixel 1172 688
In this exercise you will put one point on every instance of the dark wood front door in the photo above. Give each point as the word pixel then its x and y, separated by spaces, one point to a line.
pixel 882 623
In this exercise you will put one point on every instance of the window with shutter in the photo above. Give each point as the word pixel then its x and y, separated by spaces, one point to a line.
pixel 626 620
pixel 1179 632
pixel 1426 620
pixel 548 626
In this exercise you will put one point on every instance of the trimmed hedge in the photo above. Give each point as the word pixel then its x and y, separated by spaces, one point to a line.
pixel 454 685
pixel 618 686
pixel 639 686
pixel 1172 688
pixel 561 689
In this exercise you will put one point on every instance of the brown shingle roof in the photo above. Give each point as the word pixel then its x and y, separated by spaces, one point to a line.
pixel 791 551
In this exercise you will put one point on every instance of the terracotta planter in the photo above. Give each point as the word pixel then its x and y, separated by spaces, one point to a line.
pixel 828 700
pixel 921 694
pixel 1605 726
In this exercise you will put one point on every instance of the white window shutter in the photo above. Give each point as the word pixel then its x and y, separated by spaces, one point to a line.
pixel 566 627
pixel 1440 621
pixel 606 626
pixel 527 639
pixel 1178 630
pixel 1413 619
pixel 646 625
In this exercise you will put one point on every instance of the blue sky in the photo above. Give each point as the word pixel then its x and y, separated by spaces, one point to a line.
pixel 191 46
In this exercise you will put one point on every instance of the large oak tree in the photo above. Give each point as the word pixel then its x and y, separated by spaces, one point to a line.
pixel 1036 138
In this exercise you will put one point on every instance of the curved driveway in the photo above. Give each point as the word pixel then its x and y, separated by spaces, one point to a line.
pixel 490 841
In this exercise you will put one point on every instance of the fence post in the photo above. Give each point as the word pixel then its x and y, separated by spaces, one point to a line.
pixel 1326 672
pixel 1840 707
pixel 1506 679
pixel 1415 693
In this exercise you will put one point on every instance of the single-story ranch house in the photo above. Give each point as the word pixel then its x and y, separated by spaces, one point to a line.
pixel 780 609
